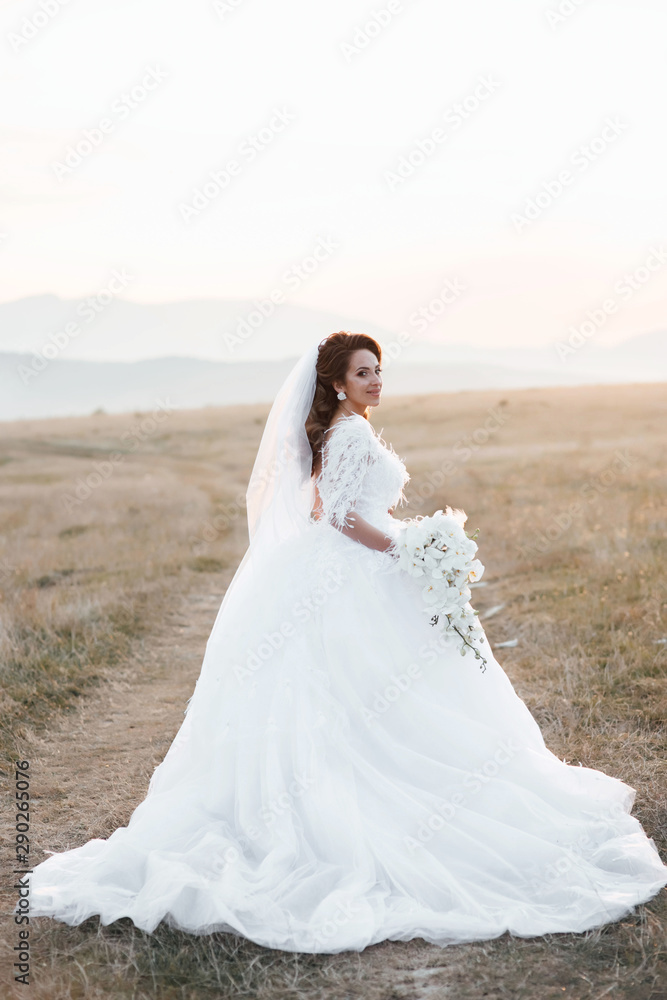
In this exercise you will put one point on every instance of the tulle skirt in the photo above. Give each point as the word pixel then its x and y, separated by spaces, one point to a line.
pixel 343 776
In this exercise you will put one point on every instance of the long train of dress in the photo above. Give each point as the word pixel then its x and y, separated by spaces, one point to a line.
pixel 343 776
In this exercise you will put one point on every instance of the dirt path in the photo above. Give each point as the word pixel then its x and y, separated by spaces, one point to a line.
pixel 93 766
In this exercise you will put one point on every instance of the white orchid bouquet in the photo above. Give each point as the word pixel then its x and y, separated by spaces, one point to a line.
pixel 438 548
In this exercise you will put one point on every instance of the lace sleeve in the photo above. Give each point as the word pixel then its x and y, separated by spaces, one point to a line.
pixel 349 450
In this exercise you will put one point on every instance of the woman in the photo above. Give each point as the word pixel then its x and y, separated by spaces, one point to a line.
pixel 342 776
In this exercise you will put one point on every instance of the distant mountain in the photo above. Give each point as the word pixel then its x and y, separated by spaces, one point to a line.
pixel 640 358
pixel 106 327
pixel 68 357
pixel 67 387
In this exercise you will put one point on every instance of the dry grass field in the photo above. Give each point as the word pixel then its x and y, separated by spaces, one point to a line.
pixel 119 535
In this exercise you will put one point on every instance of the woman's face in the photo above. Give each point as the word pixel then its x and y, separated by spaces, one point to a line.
pixel 363 383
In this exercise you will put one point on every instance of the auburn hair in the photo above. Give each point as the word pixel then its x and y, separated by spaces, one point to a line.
pixel 333 361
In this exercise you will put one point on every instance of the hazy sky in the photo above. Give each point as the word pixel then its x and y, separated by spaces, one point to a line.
pixel 316 104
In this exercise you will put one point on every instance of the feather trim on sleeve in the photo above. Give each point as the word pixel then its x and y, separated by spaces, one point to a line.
pixel 350 447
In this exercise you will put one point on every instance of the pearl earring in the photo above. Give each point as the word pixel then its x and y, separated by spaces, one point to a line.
pixel 342 395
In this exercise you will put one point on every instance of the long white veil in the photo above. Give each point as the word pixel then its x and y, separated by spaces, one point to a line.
pixel 280 493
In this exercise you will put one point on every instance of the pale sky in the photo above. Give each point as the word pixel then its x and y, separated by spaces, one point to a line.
pixel 536 86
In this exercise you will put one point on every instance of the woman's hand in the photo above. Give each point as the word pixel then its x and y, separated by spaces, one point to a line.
pixel 362 531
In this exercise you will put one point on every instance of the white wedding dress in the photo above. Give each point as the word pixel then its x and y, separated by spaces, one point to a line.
pixel 344 776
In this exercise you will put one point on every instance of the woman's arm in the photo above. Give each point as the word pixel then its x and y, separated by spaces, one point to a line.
pixel 366 533
pixel 361 530
pixel 350 451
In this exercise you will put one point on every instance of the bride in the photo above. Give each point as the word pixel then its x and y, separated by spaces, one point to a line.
pixel 342 776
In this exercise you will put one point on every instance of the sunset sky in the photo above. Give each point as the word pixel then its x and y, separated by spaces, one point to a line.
pixel 318 105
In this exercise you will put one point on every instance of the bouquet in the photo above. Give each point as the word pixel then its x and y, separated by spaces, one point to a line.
pixel 438 548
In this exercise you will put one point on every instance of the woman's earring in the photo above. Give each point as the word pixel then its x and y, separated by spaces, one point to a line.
pixel 342 395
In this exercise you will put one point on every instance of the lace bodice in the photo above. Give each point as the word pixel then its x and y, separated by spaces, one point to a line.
pixel 359 472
